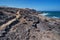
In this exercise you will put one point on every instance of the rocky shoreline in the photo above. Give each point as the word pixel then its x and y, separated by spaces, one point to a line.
pixel 27 24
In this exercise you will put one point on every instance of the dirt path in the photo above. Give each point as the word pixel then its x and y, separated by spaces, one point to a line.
pixel 11 21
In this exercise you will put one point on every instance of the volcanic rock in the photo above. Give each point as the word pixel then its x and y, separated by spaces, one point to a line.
pixel 27 24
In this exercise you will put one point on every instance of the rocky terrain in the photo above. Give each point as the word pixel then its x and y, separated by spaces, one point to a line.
pixel 27 24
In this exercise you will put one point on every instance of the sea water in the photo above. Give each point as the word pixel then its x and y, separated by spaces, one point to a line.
pixel 52 14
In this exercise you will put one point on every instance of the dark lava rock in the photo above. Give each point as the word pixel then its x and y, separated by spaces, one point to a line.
pixel 27 24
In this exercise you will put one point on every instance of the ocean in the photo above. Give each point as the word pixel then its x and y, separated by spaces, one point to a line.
pixel 52 14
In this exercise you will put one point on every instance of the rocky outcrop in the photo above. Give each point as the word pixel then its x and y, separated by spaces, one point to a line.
pixel 27 24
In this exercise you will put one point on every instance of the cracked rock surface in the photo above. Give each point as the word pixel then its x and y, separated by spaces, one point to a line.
pixel 27 24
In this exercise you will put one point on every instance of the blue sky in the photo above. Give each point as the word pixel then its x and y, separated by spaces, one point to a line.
pixel 45 5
